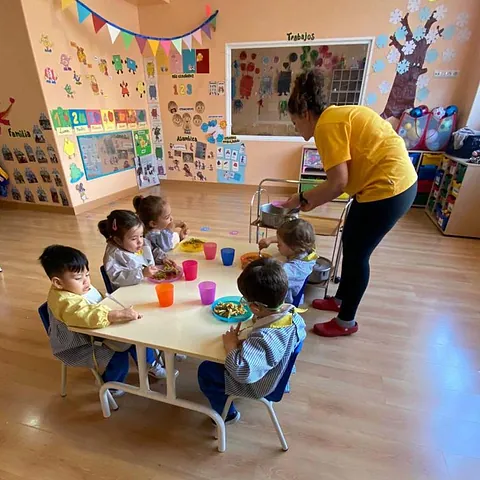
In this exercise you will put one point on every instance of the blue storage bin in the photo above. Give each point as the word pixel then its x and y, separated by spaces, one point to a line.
pixel 427 172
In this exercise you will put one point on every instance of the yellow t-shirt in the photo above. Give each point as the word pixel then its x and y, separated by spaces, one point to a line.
pixel 378 163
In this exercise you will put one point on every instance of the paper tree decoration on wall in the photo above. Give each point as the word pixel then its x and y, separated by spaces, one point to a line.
pixel 83 12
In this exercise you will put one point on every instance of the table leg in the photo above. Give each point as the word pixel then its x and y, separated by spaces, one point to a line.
pixel 142 368
pixel 170 368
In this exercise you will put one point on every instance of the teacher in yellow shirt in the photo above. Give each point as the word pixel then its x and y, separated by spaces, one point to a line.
pixel 364 157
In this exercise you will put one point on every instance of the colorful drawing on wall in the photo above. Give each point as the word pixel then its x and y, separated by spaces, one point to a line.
pixel 45 175
pixel 146 170
pixel 106 153
pixel 69 91
pixel 41 194
pixel 141 89
pixel 29 152
pixel 131 65
pixel 40 155
pixel 77 78
pixel 93 84
pixel 38 134
pixel 65 62
pixel 214 130
pixel 94 120
pixel 143 146
pixel 103 66
pixel 157 133
pixel 81 55
pixel 81 191
pixel 6 153
pixel 200 107
pixel 124 89
pixel 4 114
pixel 108 120
pixel 61 121
pixel 177 120
pixel 202 59
pixel 50 76
pixel 176 65
pixel 221 88
pixel 44 122
pixel 132 119
pixel 29 195
pixel 141 118
pixel 162 62
pixel 152 93
pixel 231 169
pixel 69 148
pixel 189 61
pixel 47 44
pixel 75 173
pixel 121 119
pixel 16 194
pixel 150 68
pixel 117 63
pixel 52 154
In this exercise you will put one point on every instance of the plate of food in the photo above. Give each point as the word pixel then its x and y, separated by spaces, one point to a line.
pixel 170 272
pixel 250 257
pixel 191 245
pixel 229 309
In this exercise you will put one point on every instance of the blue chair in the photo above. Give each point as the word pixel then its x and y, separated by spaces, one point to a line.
pixel 298 298
pixel 274 397
pixel 106 280
pixel 43 313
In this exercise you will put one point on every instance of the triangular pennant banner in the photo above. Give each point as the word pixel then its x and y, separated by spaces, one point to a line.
pixel 98 23
pixel 82 12
pixel 206 30
pixel 188 41
pixel 213 23
pixel 127 39
pixel 177 43
pixel 113 31
pixel 66 3
pixel 197 35
pixel 141 41
pixel 166 46
pixel 153 45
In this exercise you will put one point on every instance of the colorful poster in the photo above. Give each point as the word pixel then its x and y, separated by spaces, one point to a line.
pixel 61 121
pixel 108 120
pixel 132 119
pixel 189 61
pixel 94 119
pixel 231 161
pixel 79 120
pixel 106 153
pixel 143 145
pixel 141 118
pixel 121 119
pixel 162 62
pixel 176 65
pixel 203 60
pixel 146 171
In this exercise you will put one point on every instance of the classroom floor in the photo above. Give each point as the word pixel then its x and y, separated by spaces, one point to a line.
pixel 400 400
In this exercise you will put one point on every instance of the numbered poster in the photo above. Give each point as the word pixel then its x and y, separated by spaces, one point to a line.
pixel 61 121
pixel 79 121
pixel 108 120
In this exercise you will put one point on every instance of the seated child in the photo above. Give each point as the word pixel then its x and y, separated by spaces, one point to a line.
pixel 156 214
pixel 257 353
pixel 73 302
pixel 296 241
pixel 128 258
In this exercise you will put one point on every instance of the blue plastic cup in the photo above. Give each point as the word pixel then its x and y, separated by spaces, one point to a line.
pixel 228 255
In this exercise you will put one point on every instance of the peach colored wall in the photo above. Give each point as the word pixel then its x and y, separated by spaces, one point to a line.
pixel 62 27
pixel 19 80
pixel 269 20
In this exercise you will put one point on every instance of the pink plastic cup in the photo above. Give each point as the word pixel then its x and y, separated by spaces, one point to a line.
pixel 210 250
pixel 207 292
pixel 190 269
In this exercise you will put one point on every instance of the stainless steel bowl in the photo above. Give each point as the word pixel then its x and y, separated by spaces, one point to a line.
pixel 273 216
pixel 321 271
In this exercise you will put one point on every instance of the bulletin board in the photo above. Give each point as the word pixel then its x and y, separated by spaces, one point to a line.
pixel 106 153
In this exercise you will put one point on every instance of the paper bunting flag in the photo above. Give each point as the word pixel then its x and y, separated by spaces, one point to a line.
pixel 206 30
pixel 82 12
pixel 177 43
pixel 213 23
pixel 166 46
pixel 98 23
pixel 127 38
pixel 197 35
pixel 188 41
pixel 113 31
pixel 141 41
pixel 153 46
pixel 66 3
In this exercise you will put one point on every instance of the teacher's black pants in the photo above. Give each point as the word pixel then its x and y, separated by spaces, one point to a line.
pixel 366 225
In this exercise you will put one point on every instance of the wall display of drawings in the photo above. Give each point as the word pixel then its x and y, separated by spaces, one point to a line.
pixel 146 171
pixel 231 161
pixel 106 153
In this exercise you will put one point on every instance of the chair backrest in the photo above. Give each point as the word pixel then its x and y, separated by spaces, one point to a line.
pixel 106 280
pixel 43 312
pixel 298 298
pixel 277 394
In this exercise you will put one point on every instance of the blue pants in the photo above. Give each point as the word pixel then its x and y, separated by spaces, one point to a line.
pixel 117 368
pixel 211 379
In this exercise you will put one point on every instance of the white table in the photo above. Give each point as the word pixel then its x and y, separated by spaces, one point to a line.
pixel 186 327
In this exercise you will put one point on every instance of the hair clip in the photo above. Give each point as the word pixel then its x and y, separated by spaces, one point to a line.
pixel 114 225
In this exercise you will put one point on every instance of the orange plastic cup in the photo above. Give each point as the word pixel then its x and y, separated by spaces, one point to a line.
pixel 164 294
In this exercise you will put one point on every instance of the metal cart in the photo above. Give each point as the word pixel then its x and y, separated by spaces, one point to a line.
pixel 261 196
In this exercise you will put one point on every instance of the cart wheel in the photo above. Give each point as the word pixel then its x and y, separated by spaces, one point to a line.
pixel 336 280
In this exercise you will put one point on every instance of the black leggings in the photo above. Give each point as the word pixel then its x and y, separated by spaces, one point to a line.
pixel 366 225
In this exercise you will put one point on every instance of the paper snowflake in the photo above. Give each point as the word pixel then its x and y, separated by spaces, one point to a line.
pixel 449 32
pixel 432 36
pixel 393 55
pixel 419 33
pixel 401 33
pixel 464 34
pixel 371 99
pixel 384 87
pixel 423 81
pixel 424 14
pixel 440 12
pixel 422 94
pixel 378 66
pixel 396 16
pixel 448 54
pixel 431 55
pixel 462 19
pixel 381 41
pixel 413 6
pixel 409 47
pixel 403 67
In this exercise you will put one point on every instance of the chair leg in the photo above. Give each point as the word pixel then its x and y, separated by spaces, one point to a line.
pixel 99 382
pixel 276 423
pixel 63 386
pixel 226 408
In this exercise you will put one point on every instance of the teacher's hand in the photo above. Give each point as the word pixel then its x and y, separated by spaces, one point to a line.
pixel 292 202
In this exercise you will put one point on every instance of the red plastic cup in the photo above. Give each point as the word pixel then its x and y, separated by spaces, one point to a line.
pixel 190 269
pixel 210 250
pixel 165 294
pixel 207 292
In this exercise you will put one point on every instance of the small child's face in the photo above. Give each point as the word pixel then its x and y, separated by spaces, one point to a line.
pixel 163 221
pixel 78 283
pixel 133 239
pixel 283 248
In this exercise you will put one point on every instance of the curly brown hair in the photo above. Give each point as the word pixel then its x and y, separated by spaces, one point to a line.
pixel 298 235
pixel 149 208
pixel 307 94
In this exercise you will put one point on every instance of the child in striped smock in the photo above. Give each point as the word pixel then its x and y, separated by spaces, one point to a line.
pixel 296 242
pixel 258 351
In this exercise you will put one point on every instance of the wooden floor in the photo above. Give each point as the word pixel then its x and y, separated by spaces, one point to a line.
pixel 398 401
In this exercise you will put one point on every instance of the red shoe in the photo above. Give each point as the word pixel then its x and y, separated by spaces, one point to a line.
pixel 328 304
pixel 333 329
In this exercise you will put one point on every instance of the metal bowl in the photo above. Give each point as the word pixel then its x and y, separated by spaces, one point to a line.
pixel 273 216
pixel 321 271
